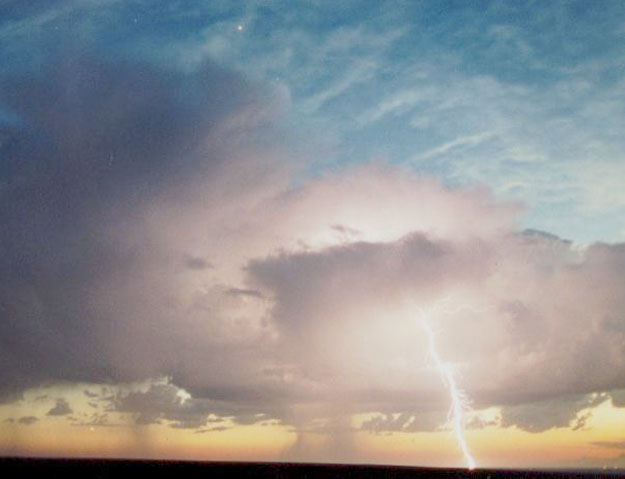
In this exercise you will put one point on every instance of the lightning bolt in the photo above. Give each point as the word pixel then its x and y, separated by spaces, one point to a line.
pixel 459 399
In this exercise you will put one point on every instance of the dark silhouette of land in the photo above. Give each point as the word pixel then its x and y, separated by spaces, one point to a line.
pixel 104 469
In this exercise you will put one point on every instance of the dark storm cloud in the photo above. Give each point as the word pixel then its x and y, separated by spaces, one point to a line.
pixel 618 398
pixel 95 143
pixel 544 415
pixel 27 420
pixel 161 401
pixel 166 402
pixel 405 422
pixel 544 321
pixel 61 408
pixel 196 263
pixel 360 267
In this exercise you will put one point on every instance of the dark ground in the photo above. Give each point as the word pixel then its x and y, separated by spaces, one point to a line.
pixel 100 469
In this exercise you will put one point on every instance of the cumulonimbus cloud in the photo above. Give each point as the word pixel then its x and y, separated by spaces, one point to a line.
pixel 152 229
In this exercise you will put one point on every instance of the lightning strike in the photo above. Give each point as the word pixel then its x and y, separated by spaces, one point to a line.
pixel 459 401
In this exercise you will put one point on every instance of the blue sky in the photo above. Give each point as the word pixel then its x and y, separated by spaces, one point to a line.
pixel 525 99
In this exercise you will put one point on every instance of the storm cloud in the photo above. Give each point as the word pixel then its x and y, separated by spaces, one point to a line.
pixel 525 318
pixel 152 229
pixel 96 146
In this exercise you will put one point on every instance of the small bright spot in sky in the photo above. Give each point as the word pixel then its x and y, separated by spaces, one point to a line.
pixel 240 27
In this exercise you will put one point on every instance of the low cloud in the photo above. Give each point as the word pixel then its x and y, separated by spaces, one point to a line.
pixel 406 422
pixel 213 429
pixel 618 398
pixel 610 444
pixel 27 420
pixel 165 403
pixel 162 402
pixel 61 408
pixel 544 415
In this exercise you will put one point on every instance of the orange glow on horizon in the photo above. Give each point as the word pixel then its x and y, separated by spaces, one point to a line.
pixel 493 446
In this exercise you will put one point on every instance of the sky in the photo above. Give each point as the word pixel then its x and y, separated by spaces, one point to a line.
pixel 222 224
